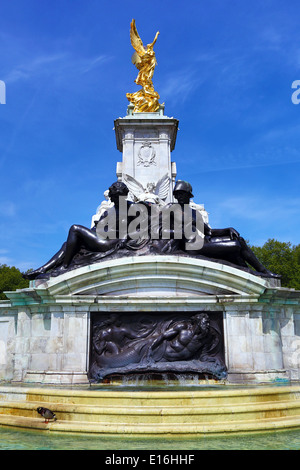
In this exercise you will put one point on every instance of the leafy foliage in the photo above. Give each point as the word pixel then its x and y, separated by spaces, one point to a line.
pixel 10 279
pixel 281 258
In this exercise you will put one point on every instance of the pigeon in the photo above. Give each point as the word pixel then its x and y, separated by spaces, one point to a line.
pixel 46 413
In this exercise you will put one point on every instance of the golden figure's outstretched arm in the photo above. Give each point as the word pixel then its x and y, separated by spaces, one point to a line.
pixel 154 40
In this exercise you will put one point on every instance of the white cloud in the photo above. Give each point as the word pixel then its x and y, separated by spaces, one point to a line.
pixel 23 266
pixel 261 210
pixel 5 260
pixel 178 88
pixel 92 63
pixel 55 66
pixel 8 209
pixel 258 217
pixel 271 38
pixel 32 68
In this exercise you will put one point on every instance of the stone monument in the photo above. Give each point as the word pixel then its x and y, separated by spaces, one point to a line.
pixel 134 294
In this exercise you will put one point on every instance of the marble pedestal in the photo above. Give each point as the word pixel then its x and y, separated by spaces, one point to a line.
pixel 146 141
pixel 45 329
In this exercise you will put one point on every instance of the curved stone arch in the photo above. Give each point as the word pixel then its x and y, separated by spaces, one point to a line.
pixel 155 275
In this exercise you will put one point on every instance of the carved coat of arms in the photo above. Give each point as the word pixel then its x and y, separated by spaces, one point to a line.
pixel 146 155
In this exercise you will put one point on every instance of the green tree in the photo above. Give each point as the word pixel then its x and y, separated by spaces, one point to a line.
pixel 281 258
pixel 10 279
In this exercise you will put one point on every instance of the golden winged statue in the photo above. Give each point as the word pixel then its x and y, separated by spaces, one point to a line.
pixel 146 99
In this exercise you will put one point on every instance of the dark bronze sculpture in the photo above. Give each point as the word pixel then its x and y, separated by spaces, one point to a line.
pixel 82 237
pixel 184 339
pixel 177 343
pixel 219 244
pixel 84 246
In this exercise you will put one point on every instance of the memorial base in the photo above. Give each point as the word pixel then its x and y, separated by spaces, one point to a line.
pixel 46 330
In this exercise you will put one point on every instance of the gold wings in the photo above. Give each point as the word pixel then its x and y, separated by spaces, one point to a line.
pixel 135 39
pixel 137 44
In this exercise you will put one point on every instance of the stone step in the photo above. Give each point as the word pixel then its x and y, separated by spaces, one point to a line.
pixel 145 412
pixel 155 415
pixel 193 398
pixel 146 429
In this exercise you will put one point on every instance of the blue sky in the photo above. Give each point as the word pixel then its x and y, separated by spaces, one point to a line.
pixel 225 71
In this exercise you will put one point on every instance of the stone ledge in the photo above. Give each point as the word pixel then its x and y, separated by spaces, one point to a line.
pixel 56 377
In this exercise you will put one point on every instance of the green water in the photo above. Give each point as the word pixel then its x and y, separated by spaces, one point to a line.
pixel 11 439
